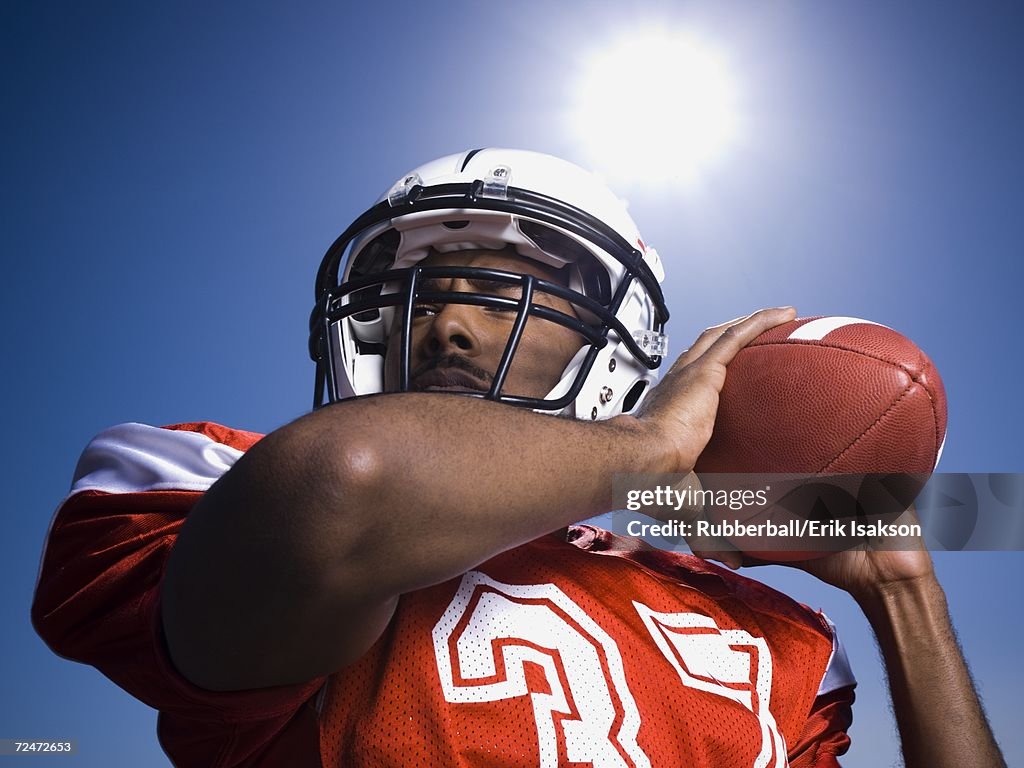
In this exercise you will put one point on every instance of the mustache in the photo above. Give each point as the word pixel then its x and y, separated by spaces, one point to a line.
pixel 452 361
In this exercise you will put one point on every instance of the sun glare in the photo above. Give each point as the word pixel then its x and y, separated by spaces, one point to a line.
pixel 656 107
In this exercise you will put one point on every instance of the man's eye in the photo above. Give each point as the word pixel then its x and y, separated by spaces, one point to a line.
pixel 425 310
pixel 501 309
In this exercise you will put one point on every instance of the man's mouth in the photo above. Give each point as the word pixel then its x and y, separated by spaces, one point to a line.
pixel 450 379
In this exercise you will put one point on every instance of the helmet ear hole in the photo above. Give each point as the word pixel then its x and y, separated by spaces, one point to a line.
pixel 367 315
pixel 633 396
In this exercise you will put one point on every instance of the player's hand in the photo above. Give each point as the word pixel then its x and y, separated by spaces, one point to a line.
pixel 681 409
pixel 870 571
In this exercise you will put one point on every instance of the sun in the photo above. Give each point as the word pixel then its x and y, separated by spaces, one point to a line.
pixel 660 106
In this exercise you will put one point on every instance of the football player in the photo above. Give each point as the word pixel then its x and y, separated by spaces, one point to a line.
pixel 397 578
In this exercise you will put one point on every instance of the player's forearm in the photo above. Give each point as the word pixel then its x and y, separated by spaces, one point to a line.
pixel 938 712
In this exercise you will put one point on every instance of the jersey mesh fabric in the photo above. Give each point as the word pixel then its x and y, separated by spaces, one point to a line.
pixel 387 708
pixel 500 667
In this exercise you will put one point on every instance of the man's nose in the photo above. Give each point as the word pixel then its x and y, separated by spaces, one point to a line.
pixel 453 331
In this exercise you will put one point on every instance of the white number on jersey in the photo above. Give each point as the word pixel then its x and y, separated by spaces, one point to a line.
pixel 490 630
pixel 727 662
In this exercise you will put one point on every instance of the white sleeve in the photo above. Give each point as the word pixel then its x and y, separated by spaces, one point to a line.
pixel 132 458
pixel 838 673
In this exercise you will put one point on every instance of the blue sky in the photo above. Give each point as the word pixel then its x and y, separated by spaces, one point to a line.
pixel 172 174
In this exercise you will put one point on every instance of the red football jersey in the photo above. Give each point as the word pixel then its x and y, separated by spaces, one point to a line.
pixel 579 648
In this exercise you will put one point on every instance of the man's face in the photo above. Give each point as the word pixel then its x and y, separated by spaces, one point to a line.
pixel 457 347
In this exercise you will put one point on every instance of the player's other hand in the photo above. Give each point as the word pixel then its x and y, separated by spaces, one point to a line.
pixel 870 571
pixel 680 411
pixel 875 569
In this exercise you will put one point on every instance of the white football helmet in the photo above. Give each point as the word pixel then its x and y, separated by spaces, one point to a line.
pixel 545 208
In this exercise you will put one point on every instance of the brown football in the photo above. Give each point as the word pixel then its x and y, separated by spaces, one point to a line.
pixel 829 396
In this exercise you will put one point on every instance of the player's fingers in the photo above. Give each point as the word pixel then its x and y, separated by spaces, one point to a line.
pixel 686 504
pixel 711 335
pixel 707 337
pixel 704 546
pixel 714 548
pixel 736 337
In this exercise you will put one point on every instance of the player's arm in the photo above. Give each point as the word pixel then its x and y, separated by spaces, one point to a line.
pixel 292 563
pixel 940 718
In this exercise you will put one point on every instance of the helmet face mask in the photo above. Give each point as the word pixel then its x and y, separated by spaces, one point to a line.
pixel 373 277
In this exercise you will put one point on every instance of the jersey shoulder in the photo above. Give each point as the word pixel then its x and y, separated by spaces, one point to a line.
pixel 136 458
